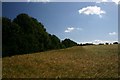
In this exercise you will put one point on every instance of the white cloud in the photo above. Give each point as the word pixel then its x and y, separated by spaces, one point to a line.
pixel 103 41
pixel 99 1
pixel 84 42
pixel 69 29
pixel 112 33
pixel 38 0
pixel 92 10
pixel 79 29
pixel 99 41
pixel 104 0
pixel 115 1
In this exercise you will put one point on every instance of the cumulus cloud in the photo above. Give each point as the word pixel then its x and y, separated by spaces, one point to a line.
pixel 69 29
pixel 92 10
pixel 112 33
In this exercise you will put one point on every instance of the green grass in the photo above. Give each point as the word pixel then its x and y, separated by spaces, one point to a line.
pixel 98 61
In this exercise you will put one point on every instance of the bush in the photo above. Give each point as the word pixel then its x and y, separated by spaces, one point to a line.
pixel 115 43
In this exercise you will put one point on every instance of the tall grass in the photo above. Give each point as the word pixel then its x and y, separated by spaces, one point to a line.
pixel 98 61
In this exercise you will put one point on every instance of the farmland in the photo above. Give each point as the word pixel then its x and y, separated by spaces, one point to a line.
pixel 95 61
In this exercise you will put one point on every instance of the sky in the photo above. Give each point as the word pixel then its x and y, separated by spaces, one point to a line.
pixel 115 1
pixel 79 21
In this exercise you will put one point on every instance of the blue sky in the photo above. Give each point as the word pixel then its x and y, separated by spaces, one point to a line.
pixel 79 21
pixel 115 1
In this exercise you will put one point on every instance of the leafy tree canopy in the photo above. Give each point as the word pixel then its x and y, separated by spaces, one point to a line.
pixel 26 35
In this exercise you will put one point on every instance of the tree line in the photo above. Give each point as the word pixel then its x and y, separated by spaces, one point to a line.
pixel 25 34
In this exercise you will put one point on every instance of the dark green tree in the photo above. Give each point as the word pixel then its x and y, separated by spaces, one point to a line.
pixel 115 43
pixel 69 43
pixel 27 35
pixel 10 32
pixel 55 42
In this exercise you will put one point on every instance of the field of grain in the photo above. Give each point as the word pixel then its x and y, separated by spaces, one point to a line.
pixel 98 61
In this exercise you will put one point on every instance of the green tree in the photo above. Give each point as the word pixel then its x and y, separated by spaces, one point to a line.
pixel 69 43
pixel 10 32
pixel 27 35
pixel 55 42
